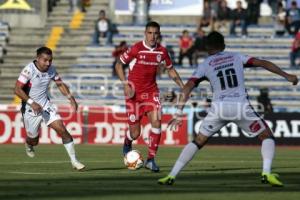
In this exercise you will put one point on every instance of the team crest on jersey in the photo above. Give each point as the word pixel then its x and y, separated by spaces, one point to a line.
pixel 158 58
pixel 132 118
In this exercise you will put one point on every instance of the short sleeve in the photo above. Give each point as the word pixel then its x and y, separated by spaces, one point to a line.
pixel 246 60
pixel 167 59
pixel 55 75
pixel 25 75
pixel 129 55
pixel 198 74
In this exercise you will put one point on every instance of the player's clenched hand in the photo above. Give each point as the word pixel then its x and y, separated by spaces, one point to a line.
pixel 37 109
pixel 129 92
pixel 175 122
pixel 293 79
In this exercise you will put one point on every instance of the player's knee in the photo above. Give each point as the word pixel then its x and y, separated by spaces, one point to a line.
pixel 32 141
pixel 65 135
pixel 134 134
pixel 267 133
pixel 156 130
pixel 67 140
pixel 200 140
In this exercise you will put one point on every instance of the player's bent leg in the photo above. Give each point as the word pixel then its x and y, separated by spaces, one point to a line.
pixel 29 144
pixel 67 140
pixel 131 135
pixel 184 158
pixel 267 152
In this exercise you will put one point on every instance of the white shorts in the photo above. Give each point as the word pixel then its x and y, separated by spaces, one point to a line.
pixel 32 122
pixel 222 113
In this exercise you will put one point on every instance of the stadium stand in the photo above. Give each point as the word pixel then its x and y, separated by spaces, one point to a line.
pixel 87 68
pixel 4 38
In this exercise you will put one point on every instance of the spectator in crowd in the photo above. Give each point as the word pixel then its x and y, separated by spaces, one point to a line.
pixel 198 48
pixel 239 18
pixel 84 4
pixel 162 67
pixel 289 3
pixel 148 5
pixel 103 29
pixel 73 5
pixel 293 19
pixel 253 10
pixel 279 25
pixel 119 50
pixel 295 50
pixel 223 15
pixel 274 4
pixel 51 4
pixel 207 18
pixel 185 46
pixel 264 102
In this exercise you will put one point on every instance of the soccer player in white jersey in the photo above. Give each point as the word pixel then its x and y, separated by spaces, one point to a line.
pixel 224 71
pixel 32 87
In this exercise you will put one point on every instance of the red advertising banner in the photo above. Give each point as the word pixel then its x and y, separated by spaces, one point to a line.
pixel 12 129
pixel 110 128
pixel 93 125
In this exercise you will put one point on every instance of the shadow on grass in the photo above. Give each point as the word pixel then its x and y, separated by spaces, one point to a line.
pixel 126 185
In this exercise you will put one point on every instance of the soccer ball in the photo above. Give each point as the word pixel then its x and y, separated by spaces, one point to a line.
pixel 133 160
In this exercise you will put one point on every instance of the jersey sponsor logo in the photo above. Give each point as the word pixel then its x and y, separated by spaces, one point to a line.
pixel 142 62
pixel 158 58
pixel 220 60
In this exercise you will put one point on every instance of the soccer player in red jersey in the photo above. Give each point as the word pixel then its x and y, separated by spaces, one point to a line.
pixel 141 91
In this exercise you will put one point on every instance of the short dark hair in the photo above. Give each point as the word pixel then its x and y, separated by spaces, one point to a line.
pixel 153 24
pixel 102 12
pixel 214 41
pixel 44 50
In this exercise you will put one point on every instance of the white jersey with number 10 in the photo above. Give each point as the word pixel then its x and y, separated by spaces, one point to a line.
pixel 225 72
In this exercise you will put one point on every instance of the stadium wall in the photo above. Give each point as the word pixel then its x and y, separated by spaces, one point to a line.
pixel 31 13
pixel 103 125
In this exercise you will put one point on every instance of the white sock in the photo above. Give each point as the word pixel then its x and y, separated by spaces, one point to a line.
pixel 186 156
pixel 267 152
pixel 71 151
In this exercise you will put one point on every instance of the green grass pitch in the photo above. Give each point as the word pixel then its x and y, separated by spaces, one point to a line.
pixel 217 172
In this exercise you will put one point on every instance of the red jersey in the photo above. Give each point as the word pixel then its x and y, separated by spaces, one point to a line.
pixel 143 64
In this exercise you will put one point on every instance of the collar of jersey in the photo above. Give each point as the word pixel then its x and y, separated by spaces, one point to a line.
pixel 151 49
pixel 37 67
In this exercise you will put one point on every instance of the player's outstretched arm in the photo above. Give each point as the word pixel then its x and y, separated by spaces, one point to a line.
pixel 129 92
pixel 175 77
pixel 183 98
pixel 64 89
pixel 22 95
pixel 275 69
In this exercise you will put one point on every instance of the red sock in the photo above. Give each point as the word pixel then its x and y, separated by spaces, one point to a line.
pixel 154 139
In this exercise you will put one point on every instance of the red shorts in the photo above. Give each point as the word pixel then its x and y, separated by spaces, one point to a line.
pixel 140 105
